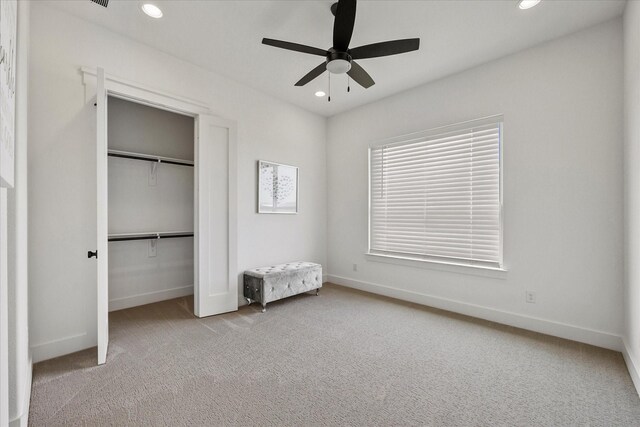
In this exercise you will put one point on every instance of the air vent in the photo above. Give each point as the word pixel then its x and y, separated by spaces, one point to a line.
pixel 104 3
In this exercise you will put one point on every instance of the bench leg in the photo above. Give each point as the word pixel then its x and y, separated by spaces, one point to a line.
pixel 264 307
pixel 317 291
pixel 248 300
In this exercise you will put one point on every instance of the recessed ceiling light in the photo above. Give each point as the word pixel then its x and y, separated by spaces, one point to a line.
pixel 320 94
pixel 152 10
pixel 527 4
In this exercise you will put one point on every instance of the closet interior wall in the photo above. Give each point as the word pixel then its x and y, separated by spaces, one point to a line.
pixel 149 197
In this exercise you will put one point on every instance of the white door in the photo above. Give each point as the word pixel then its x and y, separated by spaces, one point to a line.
pixel 102 210
pixel 216 277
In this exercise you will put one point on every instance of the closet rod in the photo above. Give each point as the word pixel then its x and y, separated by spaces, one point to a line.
pixel 146 236
pixel 149 158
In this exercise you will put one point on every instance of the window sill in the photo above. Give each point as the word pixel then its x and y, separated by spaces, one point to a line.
pixel 475 270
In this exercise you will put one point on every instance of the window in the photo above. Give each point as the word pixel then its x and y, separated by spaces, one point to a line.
pixel 436 196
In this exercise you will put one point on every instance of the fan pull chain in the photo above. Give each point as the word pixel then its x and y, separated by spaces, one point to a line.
pixel 329 87
pixel 348 83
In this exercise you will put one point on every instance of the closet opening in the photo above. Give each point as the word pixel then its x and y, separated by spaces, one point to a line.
pixel 150 204
pixel 166 202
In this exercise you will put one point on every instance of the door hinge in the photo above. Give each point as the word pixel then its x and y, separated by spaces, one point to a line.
pixel 92 254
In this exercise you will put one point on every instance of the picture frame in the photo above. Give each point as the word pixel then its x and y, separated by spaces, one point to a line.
pixel 277 188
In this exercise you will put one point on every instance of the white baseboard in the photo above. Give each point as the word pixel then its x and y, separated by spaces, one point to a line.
pixel 61 346
pixel 71 344
pixel 548 327
pixel 149 298
pixel 632 366
pixel 22 420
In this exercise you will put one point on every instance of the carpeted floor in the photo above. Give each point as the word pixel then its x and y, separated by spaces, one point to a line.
pixel 343 358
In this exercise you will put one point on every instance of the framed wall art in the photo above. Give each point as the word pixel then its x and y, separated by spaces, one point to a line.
pixel 277 188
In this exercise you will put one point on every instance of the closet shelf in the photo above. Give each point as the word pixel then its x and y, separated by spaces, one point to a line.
pixel 149 157
pixel 122 237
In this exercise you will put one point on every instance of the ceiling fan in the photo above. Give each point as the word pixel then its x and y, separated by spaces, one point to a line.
pixel 340 59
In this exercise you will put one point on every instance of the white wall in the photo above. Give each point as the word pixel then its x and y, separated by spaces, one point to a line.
pixel 144 129
pixel 562 106
pixel 62 170
pixel 632 187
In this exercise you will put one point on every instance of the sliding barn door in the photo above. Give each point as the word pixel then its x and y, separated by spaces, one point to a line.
pixel 102 209
pixel 216 277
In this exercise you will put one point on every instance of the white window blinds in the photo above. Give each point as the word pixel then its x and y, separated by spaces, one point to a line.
pixel 437 196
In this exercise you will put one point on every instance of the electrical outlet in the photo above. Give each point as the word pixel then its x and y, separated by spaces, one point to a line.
pixel 530 297
pixel 355 267
pixel 153 248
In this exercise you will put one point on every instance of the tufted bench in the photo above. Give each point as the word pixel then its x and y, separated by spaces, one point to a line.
pixel 267 284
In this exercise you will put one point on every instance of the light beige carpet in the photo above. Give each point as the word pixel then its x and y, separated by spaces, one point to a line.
pixel 343 358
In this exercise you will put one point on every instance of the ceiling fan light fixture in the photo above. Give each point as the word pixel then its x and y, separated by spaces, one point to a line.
pixel 340 58
pixel 528 4
pixel 152 10
pixel 339 66
pixel 320 94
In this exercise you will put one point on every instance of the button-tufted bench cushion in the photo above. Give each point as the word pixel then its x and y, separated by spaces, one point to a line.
pixel 267 284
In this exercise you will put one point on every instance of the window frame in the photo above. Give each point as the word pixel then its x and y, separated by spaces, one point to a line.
pixel 432 260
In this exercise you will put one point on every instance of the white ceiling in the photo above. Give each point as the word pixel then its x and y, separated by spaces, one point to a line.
pixel 225 37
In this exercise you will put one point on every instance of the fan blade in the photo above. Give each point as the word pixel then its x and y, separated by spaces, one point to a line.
pixel 343 24
pixel 295 47
pixel 312 74
pixel 361 77
pixel 393 47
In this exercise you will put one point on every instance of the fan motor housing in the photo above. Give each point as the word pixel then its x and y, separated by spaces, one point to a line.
pixel 338 62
